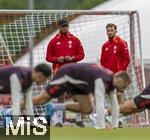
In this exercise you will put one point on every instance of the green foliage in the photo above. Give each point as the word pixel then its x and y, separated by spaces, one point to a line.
pixel 13 4
pixel 50 4
pixel 84 4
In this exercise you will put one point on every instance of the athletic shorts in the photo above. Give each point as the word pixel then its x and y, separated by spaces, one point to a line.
pixel 56 91
pixel 141 101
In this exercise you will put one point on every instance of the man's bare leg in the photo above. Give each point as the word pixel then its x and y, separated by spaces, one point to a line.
pixel 129 108
pixel 79 119
pixel 82 104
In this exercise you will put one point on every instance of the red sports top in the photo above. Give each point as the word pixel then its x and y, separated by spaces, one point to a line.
pixel 115 54
pixel 68 45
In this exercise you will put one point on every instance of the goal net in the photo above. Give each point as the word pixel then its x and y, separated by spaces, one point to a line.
pixel 25 34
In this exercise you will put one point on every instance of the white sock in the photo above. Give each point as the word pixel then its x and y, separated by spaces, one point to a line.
pixel 59 106
pixel 78 117
pixel 59 116
pixel 8 111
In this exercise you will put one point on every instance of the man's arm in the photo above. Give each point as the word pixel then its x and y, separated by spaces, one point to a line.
pixel 100 99
pixel 120 97
pixel 79 55
pixel 125 56
pixel 28 102
pixel 102 57
pixel 115 108
pixel 41 99
pixel 50 53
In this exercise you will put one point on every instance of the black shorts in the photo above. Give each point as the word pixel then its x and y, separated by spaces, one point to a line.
pixel 56 91
pixel 141 101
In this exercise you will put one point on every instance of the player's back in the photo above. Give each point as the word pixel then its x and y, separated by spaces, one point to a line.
pixel 87 72
pixel 23 73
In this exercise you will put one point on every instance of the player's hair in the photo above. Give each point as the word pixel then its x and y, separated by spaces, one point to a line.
pixel 111 25
pixel 43 68
pixel 124 75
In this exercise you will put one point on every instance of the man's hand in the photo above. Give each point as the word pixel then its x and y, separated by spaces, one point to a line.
pixel 60 59
pixel 69 58
pixel 41 98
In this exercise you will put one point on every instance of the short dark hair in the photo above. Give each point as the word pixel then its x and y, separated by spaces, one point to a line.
pixel 63 22
pixel 43 68
pixel 111 25
pixel 125 76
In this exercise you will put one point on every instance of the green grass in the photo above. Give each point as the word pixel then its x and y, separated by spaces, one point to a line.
pixel 93 134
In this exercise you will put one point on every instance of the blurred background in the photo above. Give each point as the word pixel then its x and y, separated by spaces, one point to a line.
pixel 49 4
pixel 141 5
pixel 15 31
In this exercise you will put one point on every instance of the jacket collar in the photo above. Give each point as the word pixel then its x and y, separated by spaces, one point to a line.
pixel 114 39
pixel 59 35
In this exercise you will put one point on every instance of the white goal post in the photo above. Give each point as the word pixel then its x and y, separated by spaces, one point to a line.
pixel 18 26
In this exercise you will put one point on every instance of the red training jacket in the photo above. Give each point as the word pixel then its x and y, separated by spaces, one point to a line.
pixel 68 45
pixel 115 54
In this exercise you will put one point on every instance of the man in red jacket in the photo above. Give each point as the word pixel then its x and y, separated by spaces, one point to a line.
pixel 115 54
pixel 64 48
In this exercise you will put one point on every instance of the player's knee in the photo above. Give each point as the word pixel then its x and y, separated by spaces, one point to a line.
pixel 87 110
pixel 61 99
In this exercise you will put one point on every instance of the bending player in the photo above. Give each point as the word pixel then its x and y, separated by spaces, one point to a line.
pixel 17 80
pixel 138 104
pixel 83 80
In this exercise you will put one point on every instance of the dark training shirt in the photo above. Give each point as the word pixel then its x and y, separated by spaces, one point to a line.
pixel 87 72
pixel 24 76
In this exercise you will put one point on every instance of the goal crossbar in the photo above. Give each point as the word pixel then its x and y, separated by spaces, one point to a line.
pixel 78 12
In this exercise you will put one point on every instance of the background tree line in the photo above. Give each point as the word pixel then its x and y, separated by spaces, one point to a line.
pixel 50 4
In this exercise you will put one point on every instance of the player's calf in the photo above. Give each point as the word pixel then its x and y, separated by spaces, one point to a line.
pixel 86 109
pixel 84 103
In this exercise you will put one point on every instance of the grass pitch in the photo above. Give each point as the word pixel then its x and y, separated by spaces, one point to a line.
pixel 93 134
